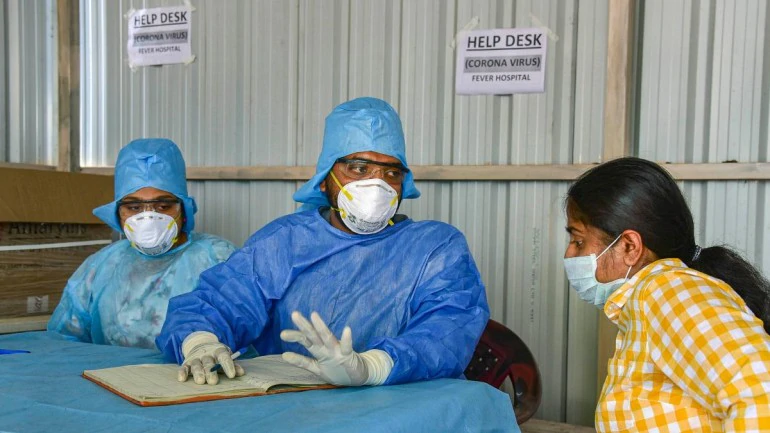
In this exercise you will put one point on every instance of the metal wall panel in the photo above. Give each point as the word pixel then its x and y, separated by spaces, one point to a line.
pixel 233 106
pixel 704 96
pixel 3 83
pixel 520 129
pixel 705 81
pixel 732 213
pixel 237 209
pixel 30 111
pixel 267 73
pixel 590 79
pixel 282 65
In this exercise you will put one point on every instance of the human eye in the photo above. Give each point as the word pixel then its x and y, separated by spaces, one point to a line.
pixel 576 241
pixel 133 207
pixel 394 174
pixel 358 168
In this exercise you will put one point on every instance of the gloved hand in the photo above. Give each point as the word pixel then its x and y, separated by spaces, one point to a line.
pixel 335 361
pixel 202 350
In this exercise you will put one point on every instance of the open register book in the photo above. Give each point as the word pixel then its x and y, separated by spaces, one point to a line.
pixel 157 385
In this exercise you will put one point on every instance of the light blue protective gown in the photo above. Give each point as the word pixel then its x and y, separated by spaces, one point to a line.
pixel 119 296
pixel 412 290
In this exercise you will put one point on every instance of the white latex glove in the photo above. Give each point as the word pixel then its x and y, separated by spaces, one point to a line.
pixel 202 350
pixel 335 361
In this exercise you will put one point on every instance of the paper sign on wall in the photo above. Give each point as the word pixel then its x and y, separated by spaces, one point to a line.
pixel 159 36
pixel 501 61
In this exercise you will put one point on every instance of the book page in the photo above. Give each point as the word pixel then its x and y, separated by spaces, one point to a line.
pixel 265 372
pixel 146 382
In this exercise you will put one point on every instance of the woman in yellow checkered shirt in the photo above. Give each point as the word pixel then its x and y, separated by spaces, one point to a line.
pixel 691 352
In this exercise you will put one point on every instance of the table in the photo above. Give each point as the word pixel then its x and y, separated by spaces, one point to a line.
pixel 43 391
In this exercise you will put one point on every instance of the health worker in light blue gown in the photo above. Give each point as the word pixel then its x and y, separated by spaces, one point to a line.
pixel 389 299
pixel 120 294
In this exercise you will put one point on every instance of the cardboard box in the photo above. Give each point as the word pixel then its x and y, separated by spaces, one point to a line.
pixel 41 209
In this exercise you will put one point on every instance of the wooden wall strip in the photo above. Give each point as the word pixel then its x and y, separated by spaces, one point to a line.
pixel 725 171
pixel 69 84
pixel 29 166
pixel 617 135
pixel 23 324
pixel 617 98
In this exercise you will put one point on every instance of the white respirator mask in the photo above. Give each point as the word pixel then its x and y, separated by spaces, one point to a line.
pixel 366 206
pixel 151 233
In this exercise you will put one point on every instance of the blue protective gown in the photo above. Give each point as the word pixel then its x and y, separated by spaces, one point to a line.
pixel 412 290
pixel 119 296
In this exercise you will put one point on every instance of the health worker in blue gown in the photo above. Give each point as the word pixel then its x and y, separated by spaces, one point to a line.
pixel 345 288
pixel 120 294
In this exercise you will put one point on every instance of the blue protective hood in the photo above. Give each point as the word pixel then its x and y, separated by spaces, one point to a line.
pixel 149 162
pixel 361 125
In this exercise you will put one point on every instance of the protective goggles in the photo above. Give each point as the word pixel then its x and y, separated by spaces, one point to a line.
pixel 359 169
pixel 167 206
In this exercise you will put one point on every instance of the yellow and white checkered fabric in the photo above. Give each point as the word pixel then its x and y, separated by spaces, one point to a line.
pixel 689 356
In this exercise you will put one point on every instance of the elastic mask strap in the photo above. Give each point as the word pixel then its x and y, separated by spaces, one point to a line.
pixel 628 273
pixel 347 194
pixel 610 246
pixel 392 203
pixel 342 188
pixel 171 224
pixel 341 211
pixel 129 228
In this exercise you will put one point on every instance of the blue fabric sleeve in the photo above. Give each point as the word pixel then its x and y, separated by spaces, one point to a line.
pixel 221 249
pixel 448 314
pixel 72 317
pixel 233 300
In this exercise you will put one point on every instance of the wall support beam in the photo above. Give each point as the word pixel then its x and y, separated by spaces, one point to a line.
pixel 617 98
pixel 545 172
pixel 617 132
pixel 68 18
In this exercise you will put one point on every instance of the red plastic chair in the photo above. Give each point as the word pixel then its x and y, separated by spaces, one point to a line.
pixel 501 354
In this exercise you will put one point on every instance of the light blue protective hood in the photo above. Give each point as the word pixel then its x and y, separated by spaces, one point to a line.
pixel 149 162
pixel 360 125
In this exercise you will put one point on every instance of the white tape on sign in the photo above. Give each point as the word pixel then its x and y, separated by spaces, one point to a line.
pixel 48 246
pixel 472 24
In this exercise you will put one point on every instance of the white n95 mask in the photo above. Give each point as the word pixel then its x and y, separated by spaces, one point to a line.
pixel 366 206
pixel 581 273
pixel 150 232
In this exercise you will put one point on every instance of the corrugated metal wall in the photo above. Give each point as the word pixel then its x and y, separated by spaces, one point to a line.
pixel 28 82
pixel 705 97
pixel 705 86
pixel 268 71
pixel 258 92
pixel 3 84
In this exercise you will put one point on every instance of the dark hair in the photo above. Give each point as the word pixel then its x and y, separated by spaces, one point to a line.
pixel 633 193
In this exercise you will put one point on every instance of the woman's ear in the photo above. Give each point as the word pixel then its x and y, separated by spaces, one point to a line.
pixel 633 247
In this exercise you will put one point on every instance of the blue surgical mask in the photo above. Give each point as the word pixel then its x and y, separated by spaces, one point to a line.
pixel 581 273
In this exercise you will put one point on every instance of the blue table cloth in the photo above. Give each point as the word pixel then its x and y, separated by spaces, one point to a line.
pixel 42 391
